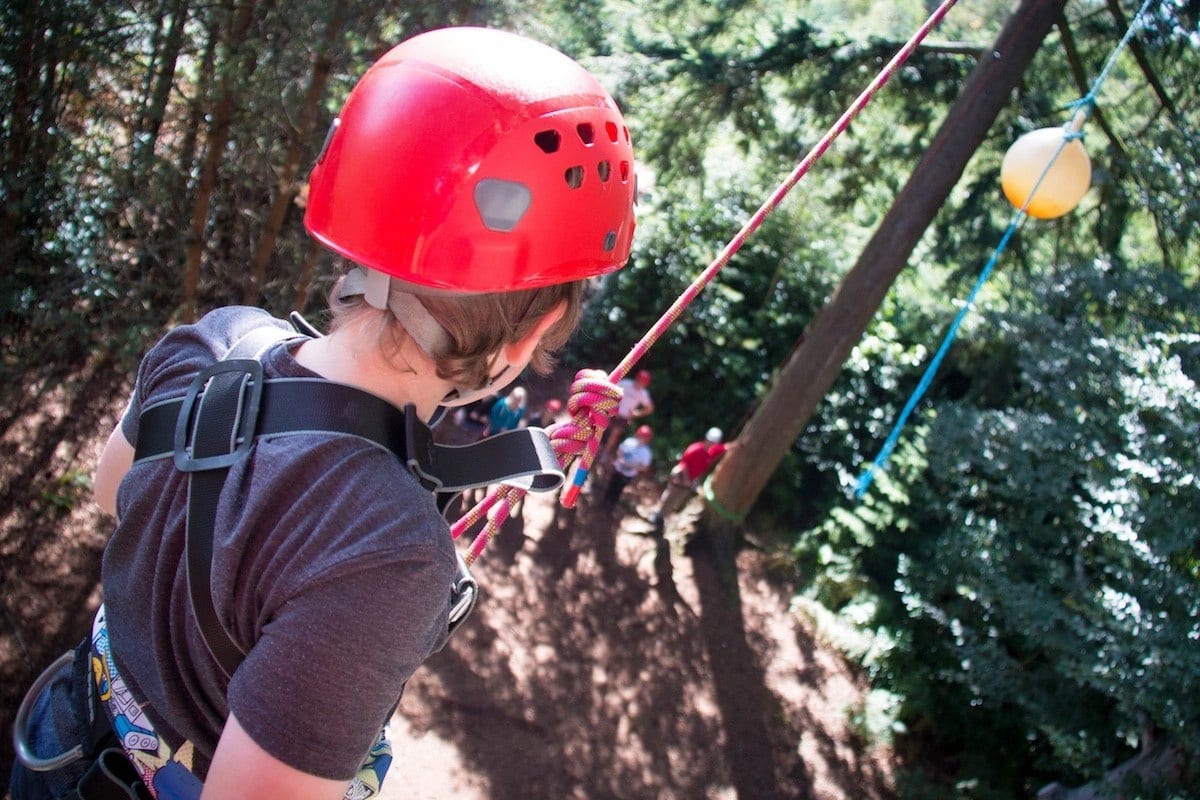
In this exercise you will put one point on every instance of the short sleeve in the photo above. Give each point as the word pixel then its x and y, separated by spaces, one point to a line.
pixel 319 684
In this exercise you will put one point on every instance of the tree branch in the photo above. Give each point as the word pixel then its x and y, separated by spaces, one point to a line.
pixel 1139 55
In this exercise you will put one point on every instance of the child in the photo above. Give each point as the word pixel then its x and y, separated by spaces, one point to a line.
pixel 506 413
pixel 633 458
pixel 474 180
pixel 635 403
pixel 547 416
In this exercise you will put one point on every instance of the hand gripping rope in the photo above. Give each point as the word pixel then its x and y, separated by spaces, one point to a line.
pixel 594 394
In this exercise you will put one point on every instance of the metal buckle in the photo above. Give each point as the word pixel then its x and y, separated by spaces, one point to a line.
pixel 21 724
pixel 419 444
pixel 244 422
pixel 464 593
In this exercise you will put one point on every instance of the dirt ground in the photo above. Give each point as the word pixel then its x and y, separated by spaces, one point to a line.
pixel 603 661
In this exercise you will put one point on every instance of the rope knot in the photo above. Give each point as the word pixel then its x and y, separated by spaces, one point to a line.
pixel 592 402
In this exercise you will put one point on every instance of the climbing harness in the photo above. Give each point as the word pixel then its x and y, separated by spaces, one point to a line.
pixel 598 395
pixel 110 775
pixel 228 407
pixel 1073 131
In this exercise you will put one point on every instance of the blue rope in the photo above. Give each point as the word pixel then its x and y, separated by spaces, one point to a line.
pixel 864 480
pixel 1073 131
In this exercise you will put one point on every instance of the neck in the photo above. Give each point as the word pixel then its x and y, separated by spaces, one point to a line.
pixel 350 357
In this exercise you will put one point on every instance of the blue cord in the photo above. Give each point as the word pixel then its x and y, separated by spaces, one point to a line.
pixel 864 480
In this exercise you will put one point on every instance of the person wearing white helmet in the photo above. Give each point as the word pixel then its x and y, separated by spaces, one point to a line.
pixel 694 463
pixel 257 631
pixel 634 458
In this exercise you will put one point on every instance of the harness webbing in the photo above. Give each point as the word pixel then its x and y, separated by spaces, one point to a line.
pixel 230 405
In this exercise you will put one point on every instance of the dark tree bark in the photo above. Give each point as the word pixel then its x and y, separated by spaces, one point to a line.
pixel 35 67
pixel 159 95
pixel 233 69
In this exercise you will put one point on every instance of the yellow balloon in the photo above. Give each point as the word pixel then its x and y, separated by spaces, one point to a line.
pixel 1065 183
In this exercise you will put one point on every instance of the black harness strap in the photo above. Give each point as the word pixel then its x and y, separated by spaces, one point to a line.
pixel 230 405
pixel 111 777
pixel 308 405
pixel 223 432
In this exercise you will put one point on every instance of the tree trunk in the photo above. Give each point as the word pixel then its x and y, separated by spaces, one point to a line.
pixel 218 136
pixel 286 188
pixel 305 276
pixel 27 126
pixel 151 118
pixel 743 699
pixel 817 360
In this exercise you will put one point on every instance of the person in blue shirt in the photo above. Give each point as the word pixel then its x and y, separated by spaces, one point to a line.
pixel 506 413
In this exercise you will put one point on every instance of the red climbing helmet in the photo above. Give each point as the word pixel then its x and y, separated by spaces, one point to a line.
pixel 476 160
pixel 644 432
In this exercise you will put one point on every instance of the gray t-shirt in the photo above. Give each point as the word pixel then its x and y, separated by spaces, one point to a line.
pixel 332 570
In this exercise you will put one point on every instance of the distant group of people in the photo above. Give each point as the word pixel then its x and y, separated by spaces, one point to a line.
pixel 632 456
pixel 627 456
pixel 497 414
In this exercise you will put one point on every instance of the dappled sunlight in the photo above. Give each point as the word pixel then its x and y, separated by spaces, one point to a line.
pixel 580 681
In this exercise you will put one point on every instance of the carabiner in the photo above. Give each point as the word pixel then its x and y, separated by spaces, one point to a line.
pixel 24 752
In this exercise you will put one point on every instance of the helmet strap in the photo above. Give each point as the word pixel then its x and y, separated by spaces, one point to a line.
pixel 461 396
pixel 376 288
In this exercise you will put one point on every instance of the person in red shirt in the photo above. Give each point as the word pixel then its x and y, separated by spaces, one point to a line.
pixel 697 459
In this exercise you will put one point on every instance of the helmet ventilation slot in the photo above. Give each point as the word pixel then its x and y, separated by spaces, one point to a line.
pixel 548 141
pixel 501 204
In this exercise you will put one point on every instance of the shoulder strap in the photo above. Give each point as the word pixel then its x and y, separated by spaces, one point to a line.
pixel 230 405
pixel 290 406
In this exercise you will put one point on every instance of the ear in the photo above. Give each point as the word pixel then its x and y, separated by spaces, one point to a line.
pixel 520 352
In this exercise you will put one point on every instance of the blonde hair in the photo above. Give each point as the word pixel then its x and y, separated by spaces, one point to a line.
pixel 478 326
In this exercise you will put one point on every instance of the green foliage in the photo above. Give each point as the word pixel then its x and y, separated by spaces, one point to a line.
pixel 67 490
pixel 1041 565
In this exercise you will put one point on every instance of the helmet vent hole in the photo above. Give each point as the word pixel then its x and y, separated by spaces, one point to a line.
pixel 501 204
pixel 574 176
pixel 624 172
pixel 611 129
pixel 605 170
pixel 548 141
pixel 610 241
pixel 586 134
